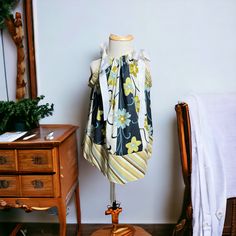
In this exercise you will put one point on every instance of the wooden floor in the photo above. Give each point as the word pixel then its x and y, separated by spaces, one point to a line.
pixel 38 229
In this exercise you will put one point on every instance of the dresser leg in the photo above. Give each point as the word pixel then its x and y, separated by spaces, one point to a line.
pixel 62 217
pixel 77 205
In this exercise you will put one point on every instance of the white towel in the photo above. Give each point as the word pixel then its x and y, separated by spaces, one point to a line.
pixel 213 131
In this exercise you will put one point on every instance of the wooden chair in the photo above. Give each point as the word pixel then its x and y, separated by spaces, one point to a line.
pixel 184 224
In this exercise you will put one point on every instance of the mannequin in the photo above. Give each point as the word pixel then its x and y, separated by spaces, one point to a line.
pixel 118 46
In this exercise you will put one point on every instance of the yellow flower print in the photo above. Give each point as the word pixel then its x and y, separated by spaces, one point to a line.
pixel 128 86
pixel 114 69
pixel 133 145
pixel 148 80
pixel 148 85
pixel 113 103
pixel 112 81
pixel 146 123
pixel 133 69
pixel 99 115
pixel 93 79
pixel 137 103
pixel 113 76
pixel 148 127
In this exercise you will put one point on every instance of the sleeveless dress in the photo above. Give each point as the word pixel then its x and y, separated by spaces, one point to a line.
pixel 119 134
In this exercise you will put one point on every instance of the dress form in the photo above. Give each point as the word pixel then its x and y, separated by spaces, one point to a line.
pixel 118 46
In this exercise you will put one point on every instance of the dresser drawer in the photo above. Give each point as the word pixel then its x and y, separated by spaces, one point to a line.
pixel 7 160
pixel 35 160
pixel 37 186
pixel 9 185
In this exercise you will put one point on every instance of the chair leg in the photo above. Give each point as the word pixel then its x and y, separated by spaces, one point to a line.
pixel 233 224
pixel 16 230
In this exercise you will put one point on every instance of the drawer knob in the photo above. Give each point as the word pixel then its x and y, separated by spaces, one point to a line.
pixel 4 184
pixel 37 183
pixel 37 160
pixel 3 160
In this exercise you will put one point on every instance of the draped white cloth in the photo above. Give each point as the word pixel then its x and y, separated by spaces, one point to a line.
pixel 213 179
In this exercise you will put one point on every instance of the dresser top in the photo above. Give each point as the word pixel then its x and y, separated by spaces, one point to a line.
pixel 59 133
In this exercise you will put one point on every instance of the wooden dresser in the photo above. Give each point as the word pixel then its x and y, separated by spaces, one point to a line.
pixel 37 174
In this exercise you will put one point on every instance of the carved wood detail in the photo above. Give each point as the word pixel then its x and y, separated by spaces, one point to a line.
pixel 19 205
pixel 14 26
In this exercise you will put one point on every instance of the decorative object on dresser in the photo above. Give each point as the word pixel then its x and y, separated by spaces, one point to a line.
pixel 23 114
pixel 41 172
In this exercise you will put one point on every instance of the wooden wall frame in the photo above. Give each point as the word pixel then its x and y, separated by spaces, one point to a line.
pixel 29 22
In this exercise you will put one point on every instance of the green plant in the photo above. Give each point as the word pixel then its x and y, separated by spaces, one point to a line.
pixel 27 111
pixel 6 7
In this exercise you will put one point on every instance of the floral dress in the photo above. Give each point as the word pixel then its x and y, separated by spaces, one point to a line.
pixel 118 139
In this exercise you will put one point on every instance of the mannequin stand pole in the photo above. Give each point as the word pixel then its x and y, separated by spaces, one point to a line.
pixel 112 192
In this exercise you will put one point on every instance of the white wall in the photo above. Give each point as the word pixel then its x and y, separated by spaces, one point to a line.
pixel 192 46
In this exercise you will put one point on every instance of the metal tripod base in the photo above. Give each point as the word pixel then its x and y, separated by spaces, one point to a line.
pixel 121 230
